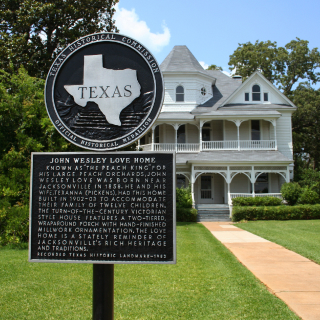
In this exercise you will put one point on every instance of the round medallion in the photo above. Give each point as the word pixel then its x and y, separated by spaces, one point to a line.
pixel 104 91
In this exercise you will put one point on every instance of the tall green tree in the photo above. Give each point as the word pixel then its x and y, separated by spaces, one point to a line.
pixel 34 32
pixel 283 66
pixel 305 126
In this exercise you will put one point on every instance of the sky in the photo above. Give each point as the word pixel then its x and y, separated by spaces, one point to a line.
pixel 212 29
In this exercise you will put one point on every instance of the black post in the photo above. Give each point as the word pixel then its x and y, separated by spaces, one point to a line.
pixel 102 293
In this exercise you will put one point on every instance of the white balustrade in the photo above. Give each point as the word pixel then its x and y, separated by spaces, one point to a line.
pixel 213 145
pixel 250 195
pixel 244 145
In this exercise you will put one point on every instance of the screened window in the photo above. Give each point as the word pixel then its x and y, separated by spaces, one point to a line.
pixel 261 185
pixel 246 96
pixel 255 130
pixel 265 96
pixel 181 134
pixel 256 93
pixel 179 94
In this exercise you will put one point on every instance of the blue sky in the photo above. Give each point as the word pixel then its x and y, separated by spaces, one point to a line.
pixel 213 29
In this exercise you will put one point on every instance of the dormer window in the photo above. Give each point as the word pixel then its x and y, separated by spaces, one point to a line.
pixel 179 94
pixel 256 93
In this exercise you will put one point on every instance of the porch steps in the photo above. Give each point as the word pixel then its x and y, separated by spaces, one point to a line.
pixel 213 213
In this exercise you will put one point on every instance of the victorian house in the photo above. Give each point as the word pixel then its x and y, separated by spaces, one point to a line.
pixel 231 138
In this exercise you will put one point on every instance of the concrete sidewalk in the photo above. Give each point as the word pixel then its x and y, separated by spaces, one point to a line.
pixel 291 277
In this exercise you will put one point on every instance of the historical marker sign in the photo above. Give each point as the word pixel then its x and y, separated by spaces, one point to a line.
pixel 102 207
pixel 104 91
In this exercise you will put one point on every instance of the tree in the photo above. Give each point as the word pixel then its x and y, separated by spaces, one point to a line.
pixel 283 66
pixel 214 67
pixel 34 32
pixel 305 126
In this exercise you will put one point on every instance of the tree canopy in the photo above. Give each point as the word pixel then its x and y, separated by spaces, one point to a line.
pixel 214 67
pixel 283 66
pixel 34 32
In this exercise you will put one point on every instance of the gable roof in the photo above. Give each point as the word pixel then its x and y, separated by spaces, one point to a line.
pixel 223 88
pixel 259 74
pixel 180 59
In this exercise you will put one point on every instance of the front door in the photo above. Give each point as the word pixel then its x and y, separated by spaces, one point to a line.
pixel 206 190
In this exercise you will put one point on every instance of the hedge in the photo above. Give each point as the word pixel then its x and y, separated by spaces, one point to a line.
pixel 186 215
pixel 256 201
pixel 298 212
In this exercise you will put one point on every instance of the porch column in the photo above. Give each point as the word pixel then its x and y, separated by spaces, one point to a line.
pixel 228 182
pixel 288 174
pixel 200 134
pixel 252 181
pixel 192 186
pixel 238 122
pixel 176 127
pixel 152 138
pixel 275 133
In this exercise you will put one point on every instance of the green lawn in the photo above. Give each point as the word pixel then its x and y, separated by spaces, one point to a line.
pixel 206 283
pixel 301 236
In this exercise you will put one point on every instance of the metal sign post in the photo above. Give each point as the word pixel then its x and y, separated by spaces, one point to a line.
pixel 103 292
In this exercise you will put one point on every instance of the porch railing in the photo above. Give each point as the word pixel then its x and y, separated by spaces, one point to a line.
pixel 249 195
pixel 213 145
pixel 243 145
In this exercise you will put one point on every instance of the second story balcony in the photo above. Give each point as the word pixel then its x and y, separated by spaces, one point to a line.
pixel 212 146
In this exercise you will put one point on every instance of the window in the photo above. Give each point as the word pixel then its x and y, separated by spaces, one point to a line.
pixel 265 96
pixel 157 134
pixel 206 132
pixel 181 181
pixel 203 91
pixel 255 129
pixel 181 134
pixel 179 94
pixel 246 96
pixel 256 93
pixel 261 185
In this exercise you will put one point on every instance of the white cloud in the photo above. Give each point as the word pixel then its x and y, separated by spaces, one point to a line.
pixel 204 65
pixel 129 24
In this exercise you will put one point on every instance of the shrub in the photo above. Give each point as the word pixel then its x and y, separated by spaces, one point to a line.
pixel 186 215
pixel 298 212
pixel 183 198
pixel 14 224
pixel 291 192
pixel 308 196
pixel 256 201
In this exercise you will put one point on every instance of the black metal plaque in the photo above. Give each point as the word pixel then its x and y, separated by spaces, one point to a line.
pixel 104 91
pixel 102 208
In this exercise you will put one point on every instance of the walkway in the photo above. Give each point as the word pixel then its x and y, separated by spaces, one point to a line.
pixel 291 277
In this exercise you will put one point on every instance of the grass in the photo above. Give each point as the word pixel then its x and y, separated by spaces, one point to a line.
pixel 206 283
pixel 301 236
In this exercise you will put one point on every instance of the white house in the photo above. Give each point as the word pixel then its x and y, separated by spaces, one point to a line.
pixel 231 138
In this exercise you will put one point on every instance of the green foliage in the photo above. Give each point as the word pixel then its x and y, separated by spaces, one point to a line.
pixel 14 223
pixel 291 192
pixel 280 65
pixel 256 201
pixel 183 198
pixel 214 67
pixel 187 215
pixel 306 131
pixel 298 212
pixel 24 128
pixel 308 196
pixel 33 33
pixel 185 212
